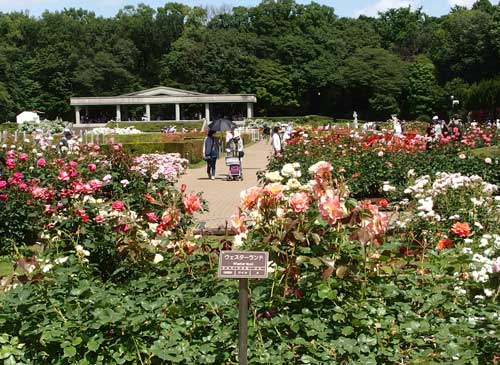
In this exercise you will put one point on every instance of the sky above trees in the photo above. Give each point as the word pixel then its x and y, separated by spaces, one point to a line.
pixel 346 8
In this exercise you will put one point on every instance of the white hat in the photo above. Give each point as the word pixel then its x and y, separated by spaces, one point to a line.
pixel 435 117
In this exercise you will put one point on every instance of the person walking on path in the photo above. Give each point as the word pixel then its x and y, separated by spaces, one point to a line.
pixel 211 153
pixel 276 140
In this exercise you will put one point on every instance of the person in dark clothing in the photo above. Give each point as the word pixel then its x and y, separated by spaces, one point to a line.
pixel 266 132
pixel 430 134
pixel 211 153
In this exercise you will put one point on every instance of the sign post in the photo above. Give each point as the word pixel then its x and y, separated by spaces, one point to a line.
pixel 243 265
pixel 243 322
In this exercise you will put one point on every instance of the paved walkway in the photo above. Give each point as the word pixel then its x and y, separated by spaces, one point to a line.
pixel 223 196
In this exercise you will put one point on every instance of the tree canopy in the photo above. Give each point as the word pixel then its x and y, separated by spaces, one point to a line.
pixel 297 58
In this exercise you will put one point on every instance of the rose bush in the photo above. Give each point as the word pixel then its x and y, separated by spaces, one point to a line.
pixel 103 202
pixel 367 162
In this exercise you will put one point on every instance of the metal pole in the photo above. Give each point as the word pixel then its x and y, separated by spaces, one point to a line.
pixel 243 328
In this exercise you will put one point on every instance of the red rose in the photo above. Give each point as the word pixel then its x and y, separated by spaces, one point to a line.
pixel 383 203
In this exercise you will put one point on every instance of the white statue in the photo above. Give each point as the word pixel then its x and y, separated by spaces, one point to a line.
pixel 355 117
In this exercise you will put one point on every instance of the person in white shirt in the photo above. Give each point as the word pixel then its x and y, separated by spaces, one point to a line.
pixel 229 135
pixel 276 140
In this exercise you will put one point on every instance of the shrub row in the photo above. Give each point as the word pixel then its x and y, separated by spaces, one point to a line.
pixel 192 150
pixel 156 126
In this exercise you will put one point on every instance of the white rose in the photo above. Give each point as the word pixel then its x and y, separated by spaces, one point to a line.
pixel 158 258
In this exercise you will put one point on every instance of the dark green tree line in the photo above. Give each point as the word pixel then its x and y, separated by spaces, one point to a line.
pixel 297 59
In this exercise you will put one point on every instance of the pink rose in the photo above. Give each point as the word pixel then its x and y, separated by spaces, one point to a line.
pixel 41 162
pixel 118 205
pixel 11 164
pixel 331 209
pixel 95 184
pixel 3 184
pixel 98 219
pixel 23 156
pixel 300 202
pixel 4 197
pixel 191 203
pixel 91 167
pixel 63 175
pixel 152 217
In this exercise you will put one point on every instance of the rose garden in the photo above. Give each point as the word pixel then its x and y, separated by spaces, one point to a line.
pixel 383 249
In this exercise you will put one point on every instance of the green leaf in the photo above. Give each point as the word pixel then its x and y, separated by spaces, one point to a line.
pixel 341 271
pixel 6 268
pixel 69 351
pixel 346 331
pixel 92 345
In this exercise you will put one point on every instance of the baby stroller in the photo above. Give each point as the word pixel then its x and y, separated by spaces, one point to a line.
pixel 233 159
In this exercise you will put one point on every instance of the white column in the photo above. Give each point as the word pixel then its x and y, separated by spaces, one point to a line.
pixel 249 110
pixel 207 113
pixel 118 114
pixel 77 115
pixel 148 112
pixel 177 112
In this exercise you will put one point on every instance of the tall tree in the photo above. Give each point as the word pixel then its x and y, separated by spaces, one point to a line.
pixel 423 91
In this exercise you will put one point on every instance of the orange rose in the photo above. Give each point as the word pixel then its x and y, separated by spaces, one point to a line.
pixel 444 243
pixel 461 229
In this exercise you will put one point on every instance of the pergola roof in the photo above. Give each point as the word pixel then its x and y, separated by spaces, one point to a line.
pixel 163 90
pixel 164 95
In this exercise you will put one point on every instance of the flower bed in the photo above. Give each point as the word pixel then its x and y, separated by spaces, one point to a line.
pixel 116 275
pixel 372 161
pixel 120 211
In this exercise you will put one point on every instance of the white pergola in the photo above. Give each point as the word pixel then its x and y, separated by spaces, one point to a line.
pixel 163 95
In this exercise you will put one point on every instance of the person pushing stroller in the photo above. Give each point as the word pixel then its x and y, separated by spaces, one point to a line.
pixel 234 154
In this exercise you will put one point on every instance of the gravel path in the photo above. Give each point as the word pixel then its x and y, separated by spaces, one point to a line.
pixel 223 196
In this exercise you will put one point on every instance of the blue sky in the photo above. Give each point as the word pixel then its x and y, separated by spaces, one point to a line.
pixel 350 8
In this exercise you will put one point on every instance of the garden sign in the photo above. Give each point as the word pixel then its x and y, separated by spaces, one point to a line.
pixel 243 265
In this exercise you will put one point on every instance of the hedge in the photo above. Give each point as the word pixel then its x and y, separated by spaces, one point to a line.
pixel 492 152
pixel 156 126
pixel 192 150
pixel 9 127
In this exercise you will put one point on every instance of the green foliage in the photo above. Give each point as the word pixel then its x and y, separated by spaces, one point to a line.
pixel 298 58
pixel 424 118
pixel 375 76
pixel 192 149
pixel 46 126
pixel 485 94
pixel 8 127
pixel 156 126
pixel 423 90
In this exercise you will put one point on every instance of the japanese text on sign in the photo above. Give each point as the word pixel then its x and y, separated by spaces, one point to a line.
pixel 243 264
